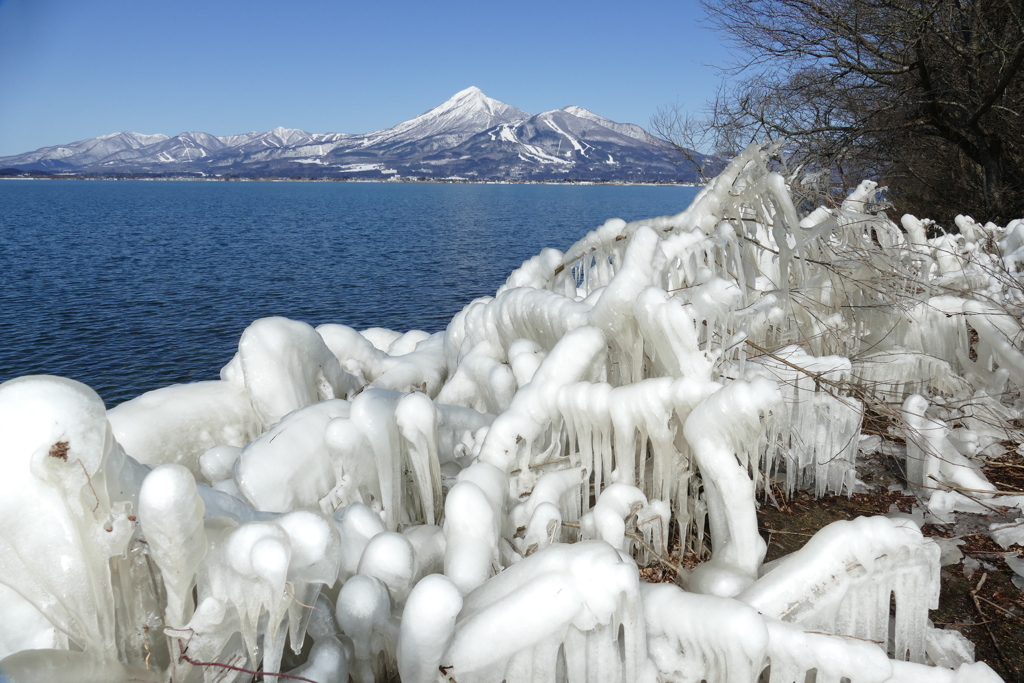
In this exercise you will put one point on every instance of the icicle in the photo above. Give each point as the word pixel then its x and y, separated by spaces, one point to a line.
pixel 724 431
pixel 841 580
pixel 703 637
pixel 933 460
pixel 364 615
pixel 819 425
pixel 795 653
pixel 428 624
pixel 471 528
pixel 416 417
pixel 516 626
pixel 171 515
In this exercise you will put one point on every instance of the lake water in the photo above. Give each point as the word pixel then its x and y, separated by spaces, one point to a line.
pixel 129 286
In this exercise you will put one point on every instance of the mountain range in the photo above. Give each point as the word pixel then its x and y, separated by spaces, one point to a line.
pixel 469 136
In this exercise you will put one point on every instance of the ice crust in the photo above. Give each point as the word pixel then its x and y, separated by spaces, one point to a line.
pixel 471 506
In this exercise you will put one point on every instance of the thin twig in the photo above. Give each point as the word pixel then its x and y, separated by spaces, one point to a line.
pixel 986 621
pixel 1001 609
pixel 980 533
pixel 265 674
pixel 817 376
pixel 963 623
pixel 542 464
pixel 843 635
pixel 560 268
pixel 788 533
pixel 93 489
pixel 668 563
pixel 989 463
pixel 966 490
pixel 291 594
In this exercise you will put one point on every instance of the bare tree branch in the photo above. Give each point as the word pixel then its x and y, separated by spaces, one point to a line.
pixel 925 94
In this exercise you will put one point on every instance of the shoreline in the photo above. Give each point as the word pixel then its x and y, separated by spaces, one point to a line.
pixel 395 181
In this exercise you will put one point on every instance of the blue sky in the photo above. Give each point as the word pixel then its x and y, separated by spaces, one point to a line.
pixel 75 69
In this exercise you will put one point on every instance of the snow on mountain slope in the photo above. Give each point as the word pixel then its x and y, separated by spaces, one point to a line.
pixel 280 138
pixel 82 152
pixel 185 147
pixel 228 150
pixel 553 144
pixel 629 129
pixel 460 117
pixel 281 143
pixel 560 136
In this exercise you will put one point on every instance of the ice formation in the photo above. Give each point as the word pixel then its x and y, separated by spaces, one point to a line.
pixel 472 505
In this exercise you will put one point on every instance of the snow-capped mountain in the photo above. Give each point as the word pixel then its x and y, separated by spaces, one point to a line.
pixel 82 153
pixel 459 118
pixel 554 144
pixel 470 135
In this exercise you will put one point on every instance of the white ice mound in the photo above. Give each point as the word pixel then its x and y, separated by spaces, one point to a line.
pixel 727 642
pixel 472 505
pixel 568 612
pixel 289 466
pixel 65 500
pixel 286 365
pixel 177 424
pixel 842 580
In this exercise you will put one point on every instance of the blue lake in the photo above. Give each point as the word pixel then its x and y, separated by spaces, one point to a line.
pixel 133 285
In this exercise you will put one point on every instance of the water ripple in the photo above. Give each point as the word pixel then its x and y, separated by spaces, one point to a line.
pixel 131 285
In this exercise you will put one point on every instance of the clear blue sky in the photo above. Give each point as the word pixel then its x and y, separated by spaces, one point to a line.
pixel 75 69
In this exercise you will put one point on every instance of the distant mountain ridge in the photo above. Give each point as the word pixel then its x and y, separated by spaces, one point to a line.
pixel 468 136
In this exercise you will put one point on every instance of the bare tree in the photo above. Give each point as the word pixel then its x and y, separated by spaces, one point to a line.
pixel 683 134
pixel 928 95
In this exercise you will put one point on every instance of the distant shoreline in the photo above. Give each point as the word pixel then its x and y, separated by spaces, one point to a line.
pixel 391 181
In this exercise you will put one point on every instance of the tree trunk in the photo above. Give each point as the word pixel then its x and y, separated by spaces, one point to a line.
pixel 993 192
